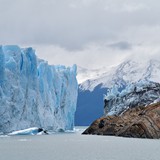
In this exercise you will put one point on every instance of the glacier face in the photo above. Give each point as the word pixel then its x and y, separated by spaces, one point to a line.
pixel 33 93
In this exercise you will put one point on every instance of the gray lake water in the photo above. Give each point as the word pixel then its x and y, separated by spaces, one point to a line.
pixel 74 146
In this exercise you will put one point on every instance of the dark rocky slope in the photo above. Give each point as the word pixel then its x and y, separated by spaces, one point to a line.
pixel 139 122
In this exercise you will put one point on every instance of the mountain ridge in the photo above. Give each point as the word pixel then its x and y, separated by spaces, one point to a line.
pixel 123 71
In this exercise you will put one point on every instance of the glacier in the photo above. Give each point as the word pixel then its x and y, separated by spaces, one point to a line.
pixel 139 94
pixel 34 93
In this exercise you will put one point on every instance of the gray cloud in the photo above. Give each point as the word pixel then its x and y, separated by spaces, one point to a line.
pixel 121 45
pixel 78 27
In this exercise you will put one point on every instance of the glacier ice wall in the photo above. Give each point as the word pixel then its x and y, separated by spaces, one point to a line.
pixel 33 93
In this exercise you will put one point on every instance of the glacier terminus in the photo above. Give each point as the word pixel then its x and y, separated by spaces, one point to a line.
pixel 34 93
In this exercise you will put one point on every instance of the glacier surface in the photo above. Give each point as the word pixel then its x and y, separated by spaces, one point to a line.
pixel 139 94
pixel 33 93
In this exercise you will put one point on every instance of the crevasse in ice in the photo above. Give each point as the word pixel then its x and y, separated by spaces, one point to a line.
pixel 33 93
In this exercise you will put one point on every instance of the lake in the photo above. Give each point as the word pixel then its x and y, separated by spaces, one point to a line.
pixel 74 146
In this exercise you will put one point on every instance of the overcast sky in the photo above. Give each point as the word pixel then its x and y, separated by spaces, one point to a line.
pixel 90 33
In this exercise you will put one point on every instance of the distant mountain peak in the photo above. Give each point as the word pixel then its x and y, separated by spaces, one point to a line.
pixel 131 70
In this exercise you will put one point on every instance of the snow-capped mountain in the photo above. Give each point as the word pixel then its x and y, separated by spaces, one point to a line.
pixel 33 93
pixel 127 72
pixel 90 98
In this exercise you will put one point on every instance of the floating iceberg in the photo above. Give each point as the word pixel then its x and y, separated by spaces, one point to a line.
pixel 33 93
pixel 29 131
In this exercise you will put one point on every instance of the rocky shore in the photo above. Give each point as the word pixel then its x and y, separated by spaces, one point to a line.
pixel 138 122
